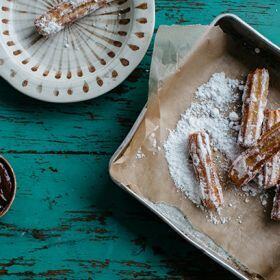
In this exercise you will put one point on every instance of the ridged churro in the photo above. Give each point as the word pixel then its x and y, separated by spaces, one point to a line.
pixel 270 177
pixel 254 103
pixel 275 213
pixel 249 163
pixel 65 13
pixel 205 169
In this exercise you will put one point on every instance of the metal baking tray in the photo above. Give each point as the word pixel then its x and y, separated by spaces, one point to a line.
pixel 234 26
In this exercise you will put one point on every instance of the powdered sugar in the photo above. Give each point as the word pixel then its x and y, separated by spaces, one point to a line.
pixel 52 21
pixel 264 199
pixel 209 113
pixel 219 90
pixel 140 154
pixel 77 3
pixel 252 189
pixel 48 26
pixel 233 116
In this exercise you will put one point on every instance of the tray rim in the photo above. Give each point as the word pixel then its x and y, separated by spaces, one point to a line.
pixel 240 274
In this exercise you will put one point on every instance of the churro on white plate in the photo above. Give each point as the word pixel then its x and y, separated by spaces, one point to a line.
pixel 65 13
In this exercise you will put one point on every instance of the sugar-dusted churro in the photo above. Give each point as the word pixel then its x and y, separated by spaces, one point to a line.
pixel 275 213
pixel 270 177
pixel 249 163
pixel 210 188
pixel 254 103
pixel 65 13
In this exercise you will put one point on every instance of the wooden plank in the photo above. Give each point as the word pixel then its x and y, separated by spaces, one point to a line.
pixel 70 221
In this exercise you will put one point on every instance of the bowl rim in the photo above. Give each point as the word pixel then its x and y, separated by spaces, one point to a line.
pixel 5 69
pixel 13 175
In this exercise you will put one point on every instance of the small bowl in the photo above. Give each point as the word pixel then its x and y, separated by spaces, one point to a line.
pixel 12 177
pixel 87 59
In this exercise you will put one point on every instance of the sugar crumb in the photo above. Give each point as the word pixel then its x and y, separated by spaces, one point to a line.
pixel 140 154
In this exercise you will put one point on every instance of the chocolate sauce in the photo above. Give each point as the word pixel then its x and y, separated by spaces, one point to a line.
pixel 7 188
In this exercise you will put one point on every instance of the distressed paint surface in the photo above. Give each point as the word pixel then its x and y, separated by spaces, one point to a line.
pixel 69 221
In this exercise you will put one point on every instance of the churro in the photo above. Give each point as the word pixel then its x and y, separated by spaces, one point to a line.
pixel 249 163
pixel 254 103
pixel 65 13
pixel 270 177
pixel 210 188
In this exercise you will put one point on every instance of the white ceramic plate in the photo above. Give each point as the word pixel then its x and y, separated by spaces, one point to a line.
pixel 87 59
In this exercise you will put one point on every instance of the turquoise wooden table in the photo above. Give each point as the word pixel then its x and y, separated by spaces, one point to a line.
pixel 69 221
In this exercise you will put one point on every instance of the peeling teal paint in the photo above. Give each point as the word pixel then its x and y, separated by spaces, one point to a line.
pixel 69 221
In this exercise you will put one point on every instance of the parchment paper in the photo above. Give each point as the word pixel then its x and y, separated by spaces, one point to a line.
pixel 174 79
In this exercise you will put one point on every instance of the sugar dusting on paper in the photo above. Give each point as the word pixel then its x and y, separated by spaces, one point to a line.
pixel 154 146
pixel 211 111
pixel 208 112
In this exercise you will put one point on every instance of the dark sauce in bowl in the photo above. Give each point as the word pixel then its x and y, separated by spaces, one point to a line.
pixel 7 186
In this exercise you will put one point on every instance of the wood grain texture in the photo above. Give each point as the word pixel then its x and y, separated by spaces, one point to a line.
pixel 69 221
